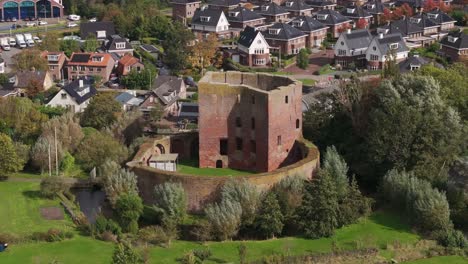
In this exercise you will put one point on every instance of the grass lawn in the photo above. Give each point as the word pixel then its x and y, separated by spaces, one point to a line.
pixel 441 260
pixel 19 209
pixel 377 230
pixel 191 167
pixel 309 82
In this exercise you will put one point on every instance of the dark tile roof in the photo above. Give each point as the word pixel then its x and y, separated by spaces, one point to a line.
pixel 150 48
pixel 374 7
pixel 166 84
pixel 225 3
pixel 285 32
pixel 110 43
pixel 423 21
pixel 124 97
pixel 331 17
pixel 357 39
pixel 74 88
pixel 271 9
pixel 307 24
pixel 319 3
pixel 456 40
pixel 185 1
pixel 353 11
pixel 405 66
pixel 412 3
pixel 247 36
pixel 242 14
pixel 404 27
pixel 296 5
pixel 386 40
pixel 440 17
pixel 88 28
pixel 24 78
pixel 213 15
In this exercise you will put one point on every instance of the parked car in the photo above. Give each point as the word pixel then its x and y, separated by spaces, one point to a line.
pixel 71 25
pixel 37 39
pixel 74 17
pixel 31 24
pixel 42 23
pixel 93 19
pixel 13 19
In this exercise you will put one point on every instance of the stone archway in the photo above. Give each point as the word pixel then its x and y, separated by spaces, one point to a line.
pixel 219 164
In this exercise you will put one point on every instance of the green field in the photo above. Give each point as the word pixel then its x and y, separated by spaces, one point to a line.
pixel 19 209
pixel 308 82
pixel 191 167
pixel 441 260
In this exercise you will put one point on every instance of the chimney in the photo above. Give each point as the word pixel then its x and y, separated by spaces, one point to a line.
pixel 380 35
pixel 81 83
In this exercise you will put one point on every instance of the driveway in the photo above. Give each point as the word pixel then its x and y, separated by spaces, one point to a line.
pixel 7 57
pixel 316 61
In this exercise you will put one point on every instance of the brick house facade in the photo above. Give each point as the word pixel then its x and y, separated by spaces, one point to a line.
pixel 273 13
pixel 315 31
pixel 335 22
pixel 253 48
pixel 184 9
pixel 55 62
pixel 90 64
pixel 285 38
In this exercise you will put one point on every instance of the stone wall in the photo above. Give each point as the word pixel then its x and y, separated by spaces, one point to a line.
pixel 203 189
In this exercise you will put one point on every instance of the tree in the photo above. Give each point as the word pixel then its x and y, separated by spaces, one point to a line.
pixel 171 201
pixel 225 218
pixel 120 183
pixel 269 220
pixel 337 168
pixel 289 192
pixel 66 128
pixel 128 209
pixel 68 162
pixel 174 46
pixel 10 162
pixel 353 205
pixel 90 44
pixel 303 59
pixel 203 52
pixel 102 111
pixel 69 46
pixel 29 59
pixel 43 154
pixel 125 254
pixel 390 67
pixel 362 23
pixel 50 42
pixel 387 16
pixel 429 5
pixel 318 212
pixel 96 148
pixel 140 80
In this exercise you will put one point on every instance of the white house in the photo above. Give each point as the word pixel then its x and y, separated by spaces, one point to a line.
pixel 253 48
pixel 75 96
pixel 381 46
pixel 207 21
pixel 351 47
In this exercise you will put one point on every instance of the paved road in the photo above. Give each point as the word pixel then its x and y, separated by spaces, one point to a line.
pixel 7 57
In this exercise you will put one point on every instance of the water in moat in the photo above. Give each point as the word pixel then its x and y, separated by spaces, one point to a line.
pixel 92 202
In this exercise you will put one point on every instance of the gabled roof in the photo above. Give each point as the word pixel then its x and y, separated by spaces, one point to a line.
pixel 24 78
pixel 440 17
pixel 212 14
pixel 74 88
pixel 271 9
pixel 127 98
pixel 86 59
pixel 184 2
pixel 405 65
pixel 241 14
pixel 88 28
pixel 456 40
pixel 224 3
pixel 353 11
pixel 357 39
pixel 374 7
pixel 285 32
pixel 128 60
pixel 173 82
pixel 330 17
pixel 320 3
pixel 412 3
pixel 296 5
pixel 45 54
pixel 404 27
pixel 111 43
pixel 423 21
pixel 247 36
pixel 307 24
pixel 384 43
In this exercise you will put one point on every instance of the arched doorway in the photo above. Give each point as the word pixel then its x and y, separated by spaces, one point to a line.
pixel 219 164
pixel 10 9
pixel 161 149
pixel 27 9
pixel 43 9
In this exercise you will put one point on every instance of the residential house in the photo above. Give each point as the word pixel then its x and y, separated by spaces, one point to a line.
pixel 356 13
pixel 455 46
pixel 428 26
pixel 101 30
pixel 188 111
pixel 128 100
pixel 318 5
pixel 165 93
pixel 405 27
pixel 90 64
pixel 40 79
pixel 285 38
pixel 442 19
pixel 128 63
pixel 376 9
pixel 184 9
pixel 241 17
pixel 253 48
pixel 350 48
pixel 415 4
pixel 75 95
pixel 224 5
pixel 55 62
pixel 315 31
pixel 415 62
pixel 382 46
pixel 118 45
pixel 335 21
pixel 152 50
pixel 297 8
pixel 206 21
pixel 273 13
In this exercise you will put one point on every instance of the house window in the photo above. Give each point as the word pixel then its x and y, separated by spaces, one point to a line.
pixel 64 96
pixel 91 69
pixel 74 68
pixel 374 57
pixel 52 67
pixel 259 51
pixel 52 57
pixel 253 99
pixel 238 122
pixel 265 8
pixel 394 46
pixel 341 52
pixel 253 146
pixel 252 123
pixel 98 69
pixel 204 19
pixel 260 61
pixel 82 68
pixel 120 45
pixel 223 146
pixel 278 140
pixel 239 143
pixel 286 99
pixel 298 123
pixel 374 48
pixel 274 31
pixel 321 17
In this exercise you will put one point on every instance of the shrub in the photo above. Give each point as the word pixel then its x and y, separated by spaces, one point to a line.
pixel 103 225
pixel 171 201
pixel 202 254
pixel 154 235
pixel 51 186
pixel 108 236
pixel 52 235
pixel 450 238
pixel 68 162
pixel 117 181
pixel 9 238
pixel 128 209
pixel 225 218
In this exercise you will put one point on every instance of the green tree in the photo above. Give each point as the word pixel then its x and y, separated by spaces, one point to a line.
pixel 68 162
pixel 269 220
pixel 353 205
pixel 289 192
pixel 102 111
pixel 128 209
pixel 50 42
pixel 336 166
pixel 225 218
pixel 10 162
pixel 44 149
pixel 69 46
pixel 171 201
pixel 390 67
pixel 318 212
pixel 66 128
pixel 303 59
pixel 174 46
pixel 90 44
pixel 96 148
pixel 125 254
pixel 29 59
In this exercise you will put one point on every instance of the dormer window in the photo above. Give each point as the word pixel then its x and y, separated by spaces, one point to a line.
pixel 97 58
pixel 265 8
pixel 372 6
pixel 52 57
pixel 414 67
pixel 204 18
pixel 233 14
pixel 101 34
pixel 433 16
pixel 321 16
pixel 415 20
pixel 274 31
pixel 298 23
pixel 452 39
pixel 350 10
pixel 120 45
pixel 289 4
pixel 394 46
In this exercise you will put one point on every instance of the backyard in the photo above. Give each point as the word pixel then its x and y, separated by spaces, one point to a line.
pixel 191 167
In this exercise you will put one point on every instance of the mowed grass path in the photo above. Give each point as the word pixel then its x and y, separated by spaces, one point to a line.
pixel 19 209
pixel 191 167
pixel 377 230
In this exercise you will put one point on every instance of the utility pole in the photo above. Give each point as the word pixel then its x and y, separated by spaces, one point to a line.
pixel 56 151
pixel 50 162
